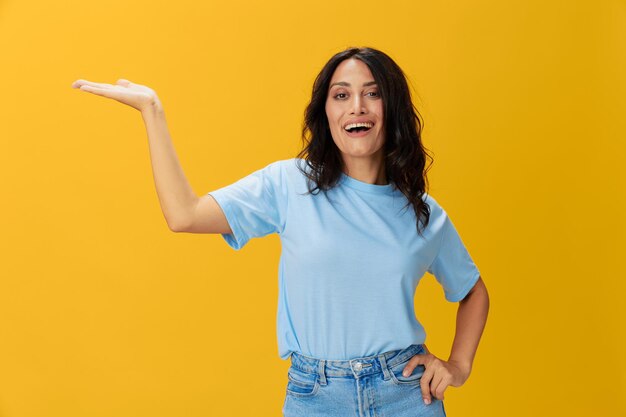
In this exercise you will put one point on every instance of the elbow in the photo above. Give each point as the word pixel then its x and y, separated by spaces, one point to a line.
pixel 176 226
pixel 175 230
pixel 182 221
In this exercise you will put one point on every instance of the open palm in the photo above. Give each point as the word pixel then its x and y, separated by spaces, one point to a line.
pixel 137 96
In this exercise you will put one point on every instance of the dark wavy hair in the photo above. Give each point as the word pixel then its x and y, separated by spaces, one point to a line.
pixel 404 155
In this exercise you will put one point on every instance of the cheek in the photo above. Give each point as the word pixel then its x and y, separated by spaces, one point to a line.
pixel 335 133
pixel 329 109
pixel 331 115
pixel 381 134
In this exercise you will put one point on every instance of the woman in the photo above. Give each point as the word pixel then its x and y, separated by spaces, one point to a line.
pixel 353 254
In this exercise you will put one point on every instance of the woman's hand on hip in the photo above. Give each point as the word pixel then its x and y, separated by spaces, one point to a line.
pixel 137 96
pixel 438 375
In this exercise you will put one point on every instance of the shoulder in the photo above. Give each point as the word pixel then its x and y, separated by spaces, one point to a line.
pixel 283 174
pixel 438 215
pixel 289 164
pixel 275 170
pixel 435 208
pixel 291 169
pixel 293 164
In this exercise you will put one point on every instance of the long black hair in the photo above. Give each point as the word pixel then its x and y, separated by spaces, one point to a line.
pixel 404 154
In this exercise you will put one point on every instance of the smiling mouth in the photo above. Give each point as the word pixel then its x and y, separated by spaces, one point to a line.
pixel 358 129
pixel 358 126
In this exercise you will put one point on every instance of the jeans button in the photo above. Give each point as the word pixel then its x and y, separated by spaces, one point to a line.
pixel 358 366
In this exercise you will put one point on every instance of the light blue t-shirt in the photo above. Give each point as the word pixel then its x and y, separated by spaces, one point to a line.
pixel 350 261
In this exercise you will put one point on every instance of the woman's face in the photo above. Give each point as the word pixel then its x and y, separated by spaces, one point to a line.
pixel 353 98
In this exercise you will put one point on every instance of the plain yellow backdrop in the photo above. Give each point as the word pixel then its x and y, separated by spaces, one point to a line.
pixel 105 312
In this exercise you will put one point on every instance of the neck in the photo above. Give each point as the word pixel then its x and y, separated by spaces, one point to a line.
pixel 371 171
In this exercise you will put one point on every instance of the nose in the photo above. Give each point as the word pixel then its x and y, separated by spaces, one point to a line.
pixel 357 105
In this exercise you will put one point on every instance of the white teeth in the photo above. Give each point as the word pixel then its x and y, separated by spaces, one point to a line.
pixel 353 125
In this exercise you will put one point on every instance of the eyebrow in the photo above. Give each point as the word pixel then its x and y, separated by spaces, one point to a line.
pixel 345 84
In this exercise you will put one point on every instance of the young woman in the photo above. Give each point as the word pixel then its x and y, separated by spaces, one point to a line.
pixel 358 231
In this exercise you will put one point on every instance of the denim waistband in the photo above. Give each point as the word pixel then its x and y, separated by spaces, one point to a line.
pixel 356 367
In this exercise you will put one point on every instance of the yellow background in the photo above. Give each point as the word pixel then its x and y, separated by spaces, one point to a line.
pixel 105 312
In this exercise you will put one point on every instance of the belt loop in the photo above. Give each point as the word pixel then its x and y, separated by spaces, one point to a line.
pixel 320 370
pixel 383 364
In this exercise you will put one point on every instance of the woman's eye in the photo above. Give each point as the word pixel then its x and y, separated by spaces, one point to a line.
pixel 341 96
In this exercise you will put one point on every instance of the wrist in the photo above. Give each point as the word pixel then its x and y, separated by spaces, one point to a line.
pixel 464 366
pixel 153 108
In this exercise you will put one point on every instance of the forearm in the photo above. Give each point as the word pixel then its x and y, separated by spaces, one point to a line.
pixel 470 322
pixel 175 194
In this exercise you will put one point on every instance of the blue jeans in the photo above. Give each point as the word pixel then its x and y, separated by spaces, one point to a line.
pixel 372 386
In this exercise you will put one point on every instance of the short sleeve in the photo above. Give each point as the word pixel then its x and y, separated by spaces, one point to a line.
pixel 453 267
pixel 253 205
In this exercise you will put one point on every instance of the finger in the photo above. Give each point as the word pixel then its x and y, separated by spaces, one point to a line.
pixel 80 83
pixel 418 359
pixel 105 92
pixel 434 384
pixel 425 385
pixel 441 387
pixel 123 82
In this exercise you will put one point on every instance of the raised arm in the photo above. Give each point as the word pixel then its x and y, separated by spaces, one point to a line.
pixel 184 211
